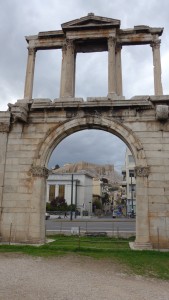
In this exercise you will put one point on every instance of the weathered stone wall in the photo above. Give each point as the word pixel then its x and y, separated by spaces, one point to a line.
pixel 26 148
pixel 153 136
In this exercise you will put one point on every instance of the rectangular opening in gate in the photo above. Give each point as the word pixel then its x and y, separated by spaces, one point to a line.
pixel 92 74
pixel 47 74
pixel 137 70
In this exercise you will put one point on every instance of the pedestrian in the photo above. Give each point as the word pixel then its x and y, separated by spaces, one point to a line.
pixel 65 215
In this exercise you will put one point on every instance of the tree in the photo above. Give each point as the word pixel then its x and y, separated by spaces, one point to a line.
pixel 59 203
pixel 105 198
pixel 97 204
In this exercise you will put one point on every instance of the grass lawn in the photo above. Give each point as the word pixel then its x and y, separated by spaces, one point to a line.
pixel 147 263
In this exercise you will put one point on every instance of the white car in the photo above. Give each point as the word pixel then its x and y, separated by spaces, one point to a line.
pixel 47 216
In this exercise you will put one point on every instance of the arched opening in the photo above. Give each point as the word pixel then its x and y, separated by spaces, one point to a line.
pixel 95 159
pixel 58 133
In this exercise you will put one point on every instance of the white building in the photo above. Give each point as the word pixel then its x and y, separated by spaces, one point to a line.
pixel 75 186
pixel 129 181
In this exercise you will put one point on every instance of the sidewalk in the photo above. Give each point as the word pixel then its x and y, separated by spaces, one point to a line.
pixel 91 218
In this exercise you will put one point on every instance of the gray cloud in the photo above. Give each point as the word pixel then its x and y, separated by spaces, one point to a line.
pixel 19 18
pixel 91 146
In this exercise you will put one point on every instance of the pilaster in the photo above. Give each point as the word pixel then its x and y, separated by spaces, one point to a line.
pixel 142 209
pixel 38 203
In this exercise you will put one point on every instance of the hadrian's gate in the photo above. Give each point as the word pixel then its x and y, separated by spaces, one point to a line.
pixel 31 129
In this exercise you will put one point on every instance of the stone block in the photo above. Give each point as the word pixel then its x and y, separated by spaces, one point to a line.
pixel 153 147
pixel 166 176
pixel 3 141
pixel 156 183
pixel 20 154
pixel 18 168
pixel 2 168
pixel 158 199
pixel 67 99
pixel 17 196
pixel 11 175
pixel 19 161
pixel 10 188
pixel 157 154
pixel 157 161
pixel 156 177
pixel 25 189
pixel 1 179
pixel 157 207
pixel 11 182
pixel 10 204
pixel 156 191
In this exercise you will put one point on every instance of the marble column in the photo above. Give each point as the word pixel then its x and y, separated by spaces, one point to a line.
pixel 30 73
pixel 63 71
pixel 158 90
pixel 68 71
pixel 111 66
pixel 119 88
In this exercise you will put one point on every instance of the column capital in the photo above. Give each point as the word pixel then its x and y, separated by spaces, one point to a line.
pixel 64 47
pixel 69 45
pixel 38 171
pixel 111 41
pixel 142 171
pixel 155 44
pixel 118 47
pixel 31 50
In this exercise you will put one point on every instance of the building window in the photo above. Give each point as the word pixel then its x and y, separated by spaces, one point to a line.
pixel 51 192
pixel 131 159
pixel 62 191
pixel 131 173
pixel 133 187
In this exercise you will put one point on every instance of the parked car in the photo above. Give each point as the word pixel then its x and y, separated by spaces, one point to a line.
pixel 131 214
pixel 115 213
pixel 47 216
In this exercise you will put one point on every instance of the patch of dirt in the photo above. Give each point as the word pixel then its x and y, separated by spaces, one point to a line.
pixel 72 278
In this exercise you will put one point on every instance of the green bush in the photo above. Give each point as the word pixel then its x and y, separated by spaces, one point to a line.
pixel 57 204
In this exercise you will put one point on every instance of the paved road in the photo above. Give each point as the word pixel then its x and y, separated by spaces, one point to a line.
pixel 96 225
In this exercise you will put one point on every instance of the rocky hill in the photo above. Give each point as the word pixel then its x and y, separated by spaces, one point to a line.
pixel 99 171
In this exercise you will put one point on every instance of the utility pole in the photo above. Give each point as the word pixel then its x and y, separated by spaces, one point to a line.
pixel 71 198
pixel 76 200
pixel 132 207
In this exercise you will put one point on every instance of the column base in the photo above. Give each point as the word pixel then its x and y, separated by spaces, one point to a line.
pixel 140 246
pixel 68 99
pixel 114 96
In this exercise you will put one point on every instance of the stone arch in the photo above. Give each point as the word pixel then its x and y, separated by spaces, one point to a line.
pixel 58 133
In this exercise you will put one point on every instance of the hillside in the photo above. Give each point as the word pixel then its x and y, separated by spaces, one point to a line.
pixel 107 171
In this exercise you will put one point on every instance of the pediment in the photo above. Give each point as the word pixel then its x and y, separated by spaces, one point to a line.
pixel 90 21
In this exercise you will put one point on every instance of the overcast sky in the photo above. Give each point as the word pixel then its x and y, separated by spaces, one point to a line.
pixel 19 18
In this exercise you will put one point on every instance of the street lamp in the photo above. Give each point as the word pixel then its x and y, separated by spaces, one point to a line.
pixel 131 175
pixel 71 197
pixel 90 203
